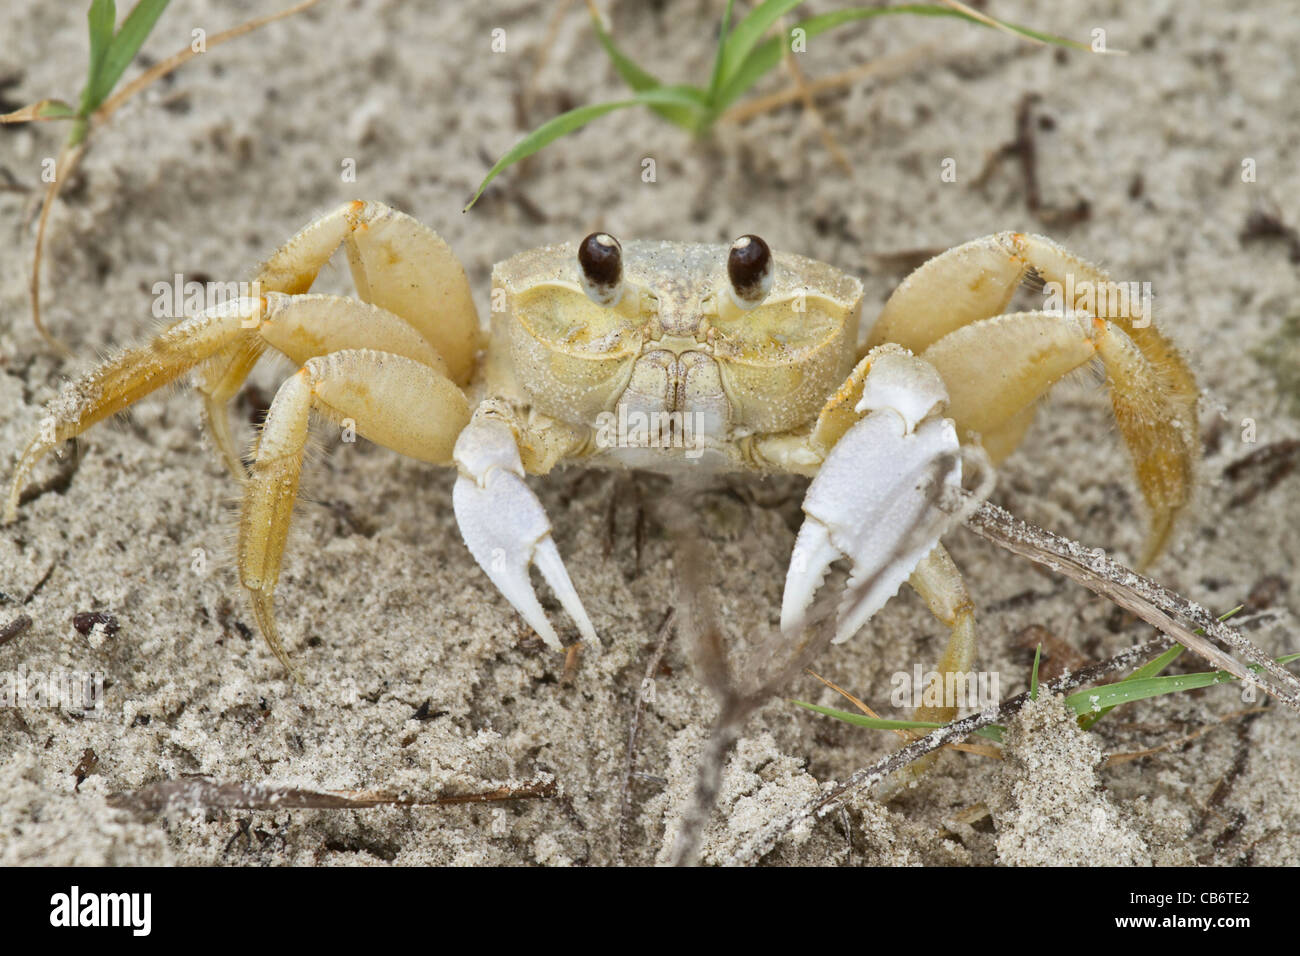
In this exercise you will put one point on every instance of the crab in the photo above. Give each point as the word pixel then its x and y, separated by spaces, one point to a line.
pixel 667 356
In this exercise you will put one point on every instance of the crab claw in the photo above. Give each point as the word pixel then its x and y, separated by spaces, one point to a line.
pixel 874 499
pixel 505 528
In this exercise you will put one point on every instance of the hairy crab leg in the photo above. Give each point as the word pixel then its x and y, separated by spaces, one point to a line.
pixel 1032 351
pixel 130 376
pixel 397 263
pixel 396 402
pixel 300 326
pixel 939 583
pixel 1153 393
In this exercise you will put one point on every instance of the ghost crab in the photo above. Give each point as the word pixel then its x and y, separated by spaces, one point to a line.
pixel 663 356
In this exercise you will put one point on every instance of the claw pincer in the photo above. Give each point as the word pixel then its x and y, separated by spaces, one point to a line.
pixel 873 501
pixel 506 529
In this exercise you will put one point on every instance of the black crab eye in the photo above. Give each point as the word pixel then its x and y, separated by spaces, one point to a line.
pixel 600 258
pixel 749 267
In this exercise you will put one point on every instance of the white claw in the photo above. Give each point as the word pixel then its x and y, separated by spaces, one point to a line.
pixel 812 557
pixel 506 529
pixel 873 501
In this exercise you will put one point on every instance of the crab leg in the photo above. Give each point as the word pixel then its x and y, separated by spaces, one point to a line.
pixel 874 498
pixel 1030 352
pixel 304 327
pixel 396 402
pixel 505 528
pixel 130 376
pixel 937 309
pixel 300 326
pixel 219 382
pixel 397 263
pixel 307 326
pixel 962 285
pixel 938 582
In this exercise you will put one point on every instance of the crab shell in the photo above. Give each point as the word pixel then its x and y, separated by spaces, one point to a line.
pixel 671 347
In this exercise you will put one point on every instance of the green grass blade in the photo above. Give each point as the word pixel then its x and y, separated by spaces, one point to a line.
pixel 735 48
pixel 124 46
pixel 639 79
pixel 1040 36
pixel 1153 668
pixel 632 74
pixel 685 97
pixel 101 19
pixel 943 11
pixel 880 723
pixel 1033 677
pixel 766 55
pixel 1095 699
pixel 724 35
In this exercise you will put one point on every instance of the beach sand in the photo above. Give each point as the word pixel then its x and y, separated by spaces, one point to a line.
pixel 420 679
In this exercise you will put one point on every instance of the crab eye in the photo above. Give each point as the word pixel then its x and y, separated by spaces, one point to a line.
pixel 749 267
pixel 601 260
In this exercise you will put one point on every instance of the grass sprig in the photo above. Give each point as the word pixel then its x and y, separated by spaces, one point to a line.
pixel 1089 705
pixel 744 55
pixel 112 49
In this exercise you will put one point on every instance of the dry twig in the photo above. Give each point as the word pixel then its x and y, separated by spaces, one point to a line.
pixel 1153 603
pixel 761 842
pixel 200 793
pixel 70 155
pixel 652 668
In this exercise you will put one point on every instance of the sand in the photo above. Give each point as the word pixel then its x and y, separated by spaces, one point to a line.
pixel 420 678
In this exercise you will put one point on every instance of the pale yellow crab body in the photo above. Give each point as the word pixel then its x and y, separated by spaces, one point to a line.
pixel 670 357
pixel 671 380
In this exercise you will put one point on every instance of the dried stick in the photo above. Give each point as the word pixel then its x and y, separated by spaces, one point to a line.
pixel 1091 568
pixel 196 793
pixel 704 638
pixel 810 107
pixel 652 668
pixel 1150 601
pixel 69 157
pixel 888 66
pixel 14 628
pixel 765 839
